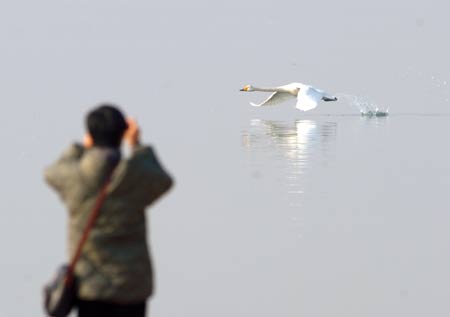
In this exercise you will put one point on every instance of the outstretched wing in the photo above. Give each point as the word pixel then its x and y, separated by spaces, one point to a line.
pixel 308 98
pixel 274 99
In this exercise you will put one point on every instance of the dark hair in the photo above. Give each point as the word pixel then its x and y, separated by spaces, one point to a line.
pixel 106 124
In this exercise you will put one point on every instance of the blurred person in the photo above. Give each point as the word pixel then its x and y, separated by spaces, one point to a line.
pixel 114 273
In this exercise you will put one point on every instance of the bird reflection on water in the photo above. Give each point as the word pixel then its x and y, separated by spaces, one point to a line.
pixel 296 149
pixel 294 146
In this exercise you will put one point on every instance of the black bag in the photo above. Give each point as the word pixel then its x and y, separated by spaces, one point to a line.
pixel 60 295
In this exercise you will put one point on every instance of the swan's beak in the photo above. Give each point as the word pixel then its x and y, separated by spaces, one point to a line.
pixel 246 88
pixel 243 89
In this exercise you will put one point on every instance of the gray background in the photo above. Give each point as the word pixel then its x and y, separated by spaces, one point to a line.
pixel 275 212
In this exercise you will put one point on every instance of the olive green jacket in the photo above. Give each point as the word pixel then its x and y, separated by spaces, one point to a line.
pixel 115 263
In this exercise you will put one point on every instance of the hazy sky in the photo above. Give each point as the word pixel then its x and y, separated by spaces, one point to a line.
pixel 178 66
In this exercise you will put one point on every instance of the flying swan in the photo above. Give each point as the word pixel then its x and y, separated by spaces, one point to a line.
pixel 307 97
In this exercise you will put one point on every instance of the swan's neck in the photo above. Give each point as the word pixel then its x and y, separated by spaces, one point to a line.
pixel 268 89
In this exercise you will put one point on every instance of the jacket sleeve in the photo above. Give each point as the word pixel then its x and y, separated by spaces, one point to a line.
pixel 64 170
pixel 80 173
pixel 151 179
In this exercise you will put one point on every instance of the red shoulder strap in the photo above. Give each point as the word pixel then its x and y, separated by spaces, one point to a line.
pixel 90 223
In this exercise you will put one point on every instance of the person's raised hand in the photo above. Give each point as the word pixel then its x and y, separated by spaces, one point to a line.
pixel 132 134
pixel 88 142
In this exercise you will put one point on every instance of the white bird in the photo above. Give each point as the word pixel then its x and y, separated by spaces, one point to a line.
pixel 307 97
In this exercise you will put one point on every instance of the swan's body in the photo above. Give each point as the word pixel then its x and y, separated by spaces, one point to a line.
pixel 307 97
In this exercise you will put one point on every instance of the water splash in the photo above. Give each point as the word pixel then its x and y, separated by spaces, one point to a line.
pixel 366 107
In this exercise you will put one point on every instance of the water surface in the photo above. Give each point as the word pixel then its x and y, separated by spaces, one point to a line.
pixel 364 209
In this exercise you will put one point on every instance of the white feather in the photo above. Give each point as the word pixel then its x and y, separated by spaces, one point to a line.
pixel 274 99
pixel 308 98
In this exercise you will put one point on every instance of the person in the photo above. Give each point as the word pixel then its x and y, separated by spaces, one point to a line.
pixel 114 272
